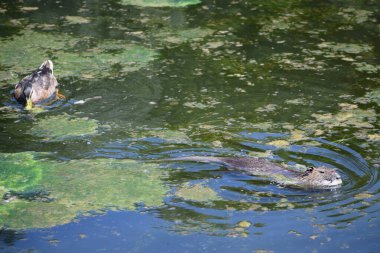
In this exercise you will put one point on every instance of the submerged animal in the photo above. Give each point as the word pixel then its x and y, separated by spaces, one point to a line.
pixel 312 178
pixel 38 86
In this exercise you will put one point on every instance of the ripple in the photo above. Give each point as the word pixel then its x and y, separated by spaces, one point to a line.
pixel 239 192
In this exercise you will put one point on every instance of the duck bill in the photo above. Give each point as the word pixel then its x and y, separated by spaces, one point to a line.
pixel 29 104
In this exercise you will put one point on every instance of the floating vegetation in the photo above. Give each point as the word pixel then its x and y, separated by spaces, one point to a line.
pixel 281 23
pixel 289 61
pixel 171 136
pixel 363 195
pixel 296 101
pixel 279 143
pixel 355 15
pixel 183 35
pixel 357 118
pixel 62 127
pixel 160 3
pixel 370 97
pixel 102 61
pixel 77 187
pixel 28 8
pixel 244 224
pixel 22 53
pixel 197 192
pixel 267 108
pixel 207 102
pixel 349 48
pixel 77 20
pixel 366 68
pixel 19 172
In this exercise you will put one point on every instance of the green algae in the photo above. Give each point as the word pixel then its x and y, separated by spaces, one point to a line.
pixel 103 61
pixel 349 48
pixel 77 20
pixel 77 188
pixel 279 143
pixel 24 52
pixel 197 192
pixel 172 36
pixel 356 117
pixel 355 15
pixel 104 183
pixel 24 214
pixel 370 97
pixel 285 22
pixel 160 3
pixel 291 61
pixel 366 68
pixel 172 136
pixel 64 126
pixel 19 172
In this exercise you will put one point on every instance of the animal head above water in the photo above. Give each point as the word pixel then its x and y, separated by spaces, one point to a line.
pixel 321 177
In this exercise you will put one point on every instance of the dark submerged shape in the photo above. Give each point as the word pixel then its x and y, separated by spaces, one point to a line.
pixel 38 86
pixel 312 178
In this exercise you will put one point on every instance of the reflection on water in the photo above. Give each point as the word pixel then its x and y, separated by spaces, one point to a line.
pixel 294 82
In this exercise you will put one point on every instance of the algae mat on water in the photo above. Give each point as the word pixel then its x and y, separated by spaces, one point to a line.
pixel 25 51
pixel 75 188
pixel 63 127
pixel 160 3
pixel 12 178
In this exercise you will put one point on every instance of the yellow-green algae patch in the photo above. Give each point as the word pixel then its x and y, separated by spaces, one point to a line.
pixel 173 136
pixel 24 52
pixel 353 15
pixel 19 172
pixel 197 192
pixel 182 36
pixel 64 126
pixel 355 117
pixel 77 20
pixel 79 187
pixel 370 97
pixel 348 48
pixel 160 3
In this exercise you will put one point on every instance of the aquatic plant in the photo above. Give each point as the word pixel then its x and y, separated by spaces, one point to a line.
pixel 172 136
pixel 170 36
pixel 19 172
pixel 23 52
pixel 62 127
pixel 77 187
pixel 160 3
pixel 197 192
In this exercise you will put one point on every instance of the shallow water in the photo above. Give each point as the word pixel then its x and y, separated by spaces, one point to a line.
pixel 295 82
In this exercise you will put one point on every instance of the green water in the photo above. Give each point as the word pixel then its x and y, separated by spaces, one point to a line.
pixel 295 82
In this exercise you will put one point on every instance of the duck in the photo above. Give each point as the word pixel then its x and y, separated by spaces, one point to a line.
pixel 38 87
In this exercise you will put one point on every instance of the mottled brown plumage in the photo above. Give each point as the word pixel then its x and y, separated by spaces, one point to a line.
pixel 38 86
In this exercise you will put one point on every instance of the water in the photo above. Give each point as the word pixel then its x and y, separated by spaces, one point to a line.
pixel 295 82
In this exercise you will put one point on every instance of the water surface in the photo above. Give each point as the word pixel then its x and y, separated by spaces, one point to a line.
pixel 295 82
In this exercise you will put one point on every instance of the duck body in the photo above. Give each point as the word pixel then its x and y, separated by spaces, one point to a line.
pixel 38 86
